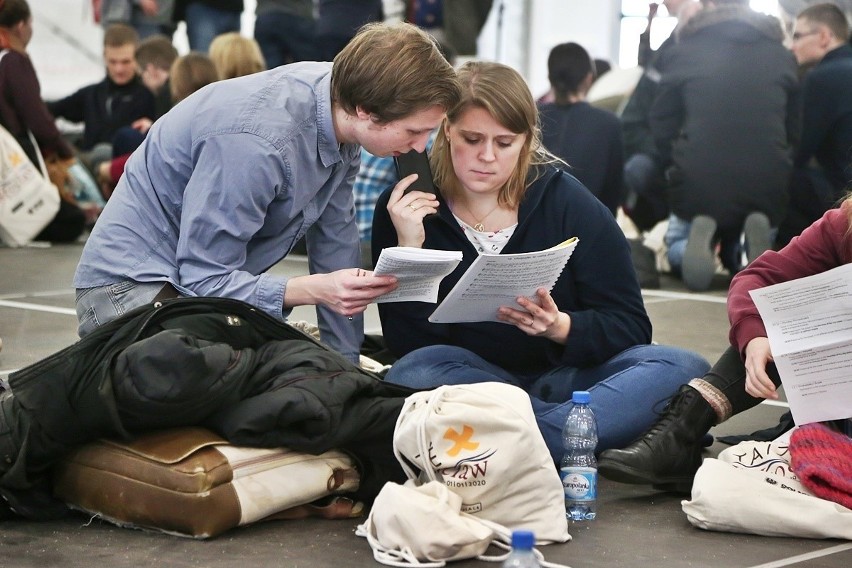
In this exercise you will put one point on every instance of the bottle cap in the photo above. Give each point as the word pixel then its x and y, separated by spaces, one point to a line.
pixel 523 540
pixel 581 397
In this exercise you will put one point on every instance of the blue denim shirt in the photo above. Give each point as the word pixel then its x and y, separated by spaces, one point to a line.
pixel 224 185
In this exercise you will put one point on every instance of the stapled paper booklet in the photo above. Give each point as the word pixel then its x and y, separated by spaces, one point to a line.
pixel 419 272
pixel 809 325
pixel 495 280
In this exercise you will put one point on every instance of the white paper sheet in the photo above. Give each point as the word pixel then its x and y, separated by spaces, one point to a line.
pixel 495 280
pixel 809 325
pixel 418 271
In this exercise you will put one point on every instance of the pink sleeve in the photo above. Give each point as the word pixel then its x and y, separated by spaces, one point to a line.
pixel 822 246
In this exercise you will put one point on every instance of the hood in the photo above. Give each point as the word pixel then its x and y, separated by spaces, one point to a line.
pixel 757 24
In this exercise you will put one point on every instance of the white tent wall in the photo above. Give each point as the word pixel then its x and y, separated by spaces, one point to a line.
pixel 521 33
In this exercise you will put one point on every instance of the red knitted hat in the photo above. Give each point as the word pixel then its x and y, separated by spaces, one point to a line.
pixel 822 459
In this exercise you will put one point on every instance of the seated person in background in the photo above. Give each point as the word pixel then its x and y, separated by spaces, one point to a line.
pixel 228 180
pixel 22 113
pixel 154 58
pixel 376 174
pixel 119 100
pixel 235 56
pixel 669 454
pixel 823 161
pixel 285 30
pixel 588 139
pixel 188 73
pixel 500 193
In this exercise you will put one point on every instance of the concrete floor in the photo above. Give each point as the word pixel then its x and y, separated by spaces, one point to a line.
pixel 636 526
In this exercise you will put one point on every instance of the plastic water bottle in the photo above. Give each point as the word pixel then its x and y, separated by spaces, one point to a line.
pixel 579 468
pixel 522 555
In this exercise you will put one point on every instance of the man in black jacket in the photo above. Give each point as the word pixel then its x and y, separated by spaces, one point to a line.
pixel 119 100
pixel 724 121
pixel 823 162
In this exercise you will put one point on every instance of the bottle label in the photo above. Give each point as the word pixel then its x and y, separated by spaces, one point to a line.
pixel 580 483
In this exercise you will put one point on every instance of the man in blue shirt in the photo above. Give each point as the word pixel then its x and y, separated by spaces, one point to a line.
pixel 233 176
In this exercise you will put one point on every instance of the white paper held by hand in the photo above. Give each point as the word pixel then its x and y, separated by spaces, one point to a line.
pixel 809 325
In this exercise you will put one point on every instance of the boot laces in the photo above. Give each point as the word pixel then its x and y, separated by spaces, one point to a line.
pixel 668 415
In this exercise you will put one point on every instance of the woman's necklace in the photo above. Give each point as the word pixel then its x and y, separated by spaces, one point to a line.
pixel 479 226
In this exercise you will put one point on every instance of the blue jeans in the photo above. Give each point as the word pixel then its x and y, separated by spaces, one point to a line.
pixel 97 306
pixel 285 38
pixel 203 23
pixel 627 391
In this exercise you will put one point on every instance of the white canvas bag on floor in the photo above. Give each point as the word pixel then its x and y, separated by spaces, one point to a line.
pixel 28 201
pixel 751 489
pixel 482 442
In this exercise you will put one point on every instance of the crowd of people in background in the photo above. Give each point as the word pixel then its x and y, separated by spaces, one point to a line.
pixel 737 136
pixel 700 96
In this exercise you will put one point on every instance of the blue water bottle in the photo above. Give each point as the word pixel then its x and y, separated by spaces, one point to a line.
pixel 579 468
pixel 522 555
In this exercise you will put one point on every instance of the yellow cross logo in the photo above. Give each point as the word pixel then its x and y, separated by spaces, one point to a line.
pixel 15 159
pixel 460 441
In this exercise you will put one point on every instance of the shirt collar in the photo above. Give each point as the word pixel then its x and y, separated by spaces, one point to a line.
pixel 330 150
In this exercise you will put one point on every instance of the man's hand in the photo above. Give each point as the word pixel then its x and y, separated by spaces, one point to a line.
pixel 142 125
pixel 758 383
pixel 348 292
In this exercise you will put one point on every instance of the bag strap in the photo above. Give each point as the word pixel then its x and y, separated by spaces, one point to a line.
pixel 41 165
pixel 403 558
pixel 420 433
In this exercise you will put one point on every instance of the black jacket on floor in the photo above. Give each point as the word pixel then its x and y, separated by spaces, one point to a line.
pixel 214 362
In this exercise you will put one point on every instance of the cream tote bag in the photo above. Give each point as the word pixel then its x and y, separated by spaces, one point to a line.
pixel 483 443
pixel 750 488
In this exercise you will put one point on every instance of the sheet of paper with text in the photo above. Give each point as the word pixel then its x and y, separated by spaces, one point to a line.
pixel 809 325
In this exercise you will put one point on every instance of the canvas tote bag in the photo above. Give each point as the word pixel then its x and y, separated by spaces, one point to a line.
pixel 422 526
pixel 750 488
pixel 28 201
pixel 482 442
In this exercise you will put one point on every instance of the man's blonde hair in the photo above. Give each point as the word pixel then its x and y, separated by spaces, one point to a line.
pixel 503 93
pixel 392 71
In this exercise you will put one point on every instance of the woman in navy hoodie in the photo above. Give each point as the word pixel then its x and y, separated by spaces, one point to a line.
pixel 500 192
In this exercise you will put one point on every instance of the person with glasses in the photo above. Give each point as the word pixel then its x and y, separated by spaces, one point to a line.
pixel 823 163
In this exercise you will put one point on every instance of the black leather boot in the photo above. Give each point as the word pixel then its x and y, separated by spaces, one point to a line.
pixel 669 453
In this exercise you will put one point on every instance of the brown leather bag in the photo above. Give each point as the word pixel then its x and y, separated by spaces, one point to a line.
pixel 190 482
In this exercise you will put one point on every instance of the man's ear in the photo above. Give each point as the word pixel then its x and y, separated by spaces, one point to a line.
pixel 826 37
pixel 363 114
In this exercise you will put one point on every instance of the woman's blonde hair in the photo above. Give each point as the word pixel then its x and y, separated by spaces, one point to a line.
pixel 503 93
pixel 235 55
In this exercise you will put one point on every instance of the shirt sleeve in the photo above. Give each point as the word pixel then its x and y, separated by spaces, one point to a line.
pixel 233 182
pixel 820 247
pixel 69 108
pixel 333 244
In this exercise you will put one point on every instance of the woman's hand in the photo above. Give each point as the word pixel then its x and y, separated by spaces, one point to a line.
pixel 408 210
pixel 758 356
pixel 348 292
pixel 538 318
